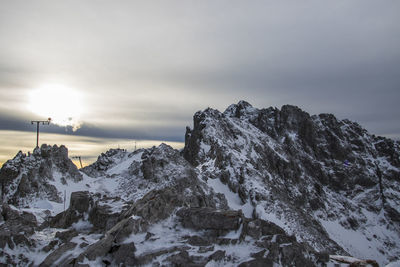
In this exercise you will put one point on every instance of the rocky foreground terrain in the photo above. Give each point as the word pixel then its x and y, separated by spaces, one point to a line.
pixel 252 187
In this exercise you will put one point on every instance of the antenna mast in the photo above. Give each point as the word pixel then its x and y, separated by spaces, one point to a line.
pixel 37 128
pixel 80 161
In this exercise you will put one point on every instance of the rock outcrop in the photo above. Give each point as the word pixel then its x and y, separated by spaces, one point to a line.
pixel 318 177
pixel 171 183
pixel 252 187
pixel 33 176
pixel 104 162
pixel 16 229
pixel 210 219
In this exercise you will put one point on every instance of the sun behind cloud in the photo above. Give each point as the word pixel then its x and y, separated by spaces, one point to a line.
pixel 63 104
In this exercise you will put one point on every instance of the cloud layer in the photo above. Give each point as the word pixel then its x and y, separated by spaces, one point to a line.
pixel 145 68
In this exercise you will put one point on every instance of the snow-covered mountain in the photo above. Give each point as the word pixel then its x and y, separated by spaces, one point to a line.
pixel 252 187
pixel 326 181
pixel 37 176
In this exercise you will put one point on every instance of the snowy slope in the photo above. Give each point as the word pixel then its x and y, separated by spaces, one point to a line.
pixel 328 182
pixel 285 176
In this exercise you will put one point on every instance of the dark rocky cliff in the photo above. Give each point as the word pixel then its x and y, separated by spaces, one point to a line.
pixel 315 174
pixel 30 176
pixel 252 187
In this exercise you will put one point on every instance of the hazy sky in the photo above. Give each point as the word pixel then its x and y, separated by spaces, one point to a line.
pixel 141 69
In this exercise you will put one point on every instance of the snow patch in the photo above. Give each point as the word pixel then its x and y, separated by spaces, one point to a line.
pixel 355 242
pixel 234 202
pixel 82 225
pixel 262 214
pixel 394 264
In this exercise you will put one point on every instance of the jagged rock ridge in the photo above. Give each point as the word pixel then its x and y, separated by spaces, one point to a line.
pixel 319 178
pixel 252 187
pixel 36 175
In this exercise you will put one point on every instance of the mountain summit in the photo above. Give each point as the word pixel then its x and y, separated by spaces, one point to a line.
pixel 328 182
pixel 252 187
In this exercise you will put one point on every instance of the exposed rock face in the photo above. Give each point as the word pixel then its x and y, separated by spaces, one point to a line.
pixel 104 162
pixel 25 178
pixel 258 228
pixel 171 183
pixel 174 184
pixel 86 207
pixel 159 204
pixel 252 187
pixel 316 174
pixel 187 250
pixel 81 203
pixel 55 256
pixel 208 218
pixel 102 217
pixel 16 230
pixel 124 254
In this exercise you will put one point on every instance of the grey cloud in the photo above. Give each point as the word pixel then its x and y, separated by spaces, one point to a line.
pixel 166 133
pixel 159 62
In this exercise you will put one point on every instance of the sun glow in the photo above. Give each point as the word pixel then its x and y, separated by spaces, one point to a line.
pixel 62 104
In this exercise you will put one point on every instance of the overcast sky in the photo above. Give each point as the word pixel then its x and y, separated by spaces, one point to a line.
pixel 144 68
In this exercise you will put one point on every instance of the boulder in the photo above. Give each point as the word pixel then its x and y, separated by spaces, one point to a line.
pixel 210 219
pixel 286 251
pixel 66 236
pixel 80 204
pixel 52 258
pixel 184 259
pixel 148 256
pixel 258 227
pixel 217 255
pixel 112 242
pixel 99 249
pixel 50 246
pixel 260 262
pixel 102 217
pixel 80 201
pixel 124 254
pixel 198 241
pixel 126 227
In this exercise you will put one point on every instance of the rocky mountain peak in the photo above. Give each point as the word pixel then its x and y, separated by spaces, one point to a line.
pixel 105 162
pixel 288 163
pixel 252 187
pixel 31 176
pixel 55 152
pixel 241 109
